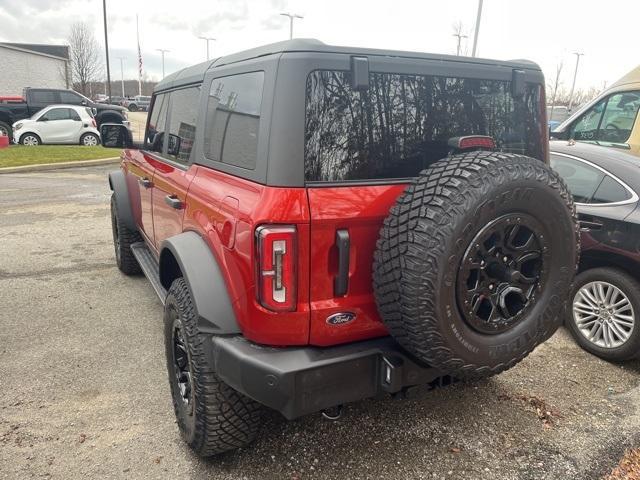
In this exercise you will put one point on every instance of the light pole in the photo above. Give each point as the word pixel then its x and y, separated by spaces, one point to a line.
pixel 575 74
pixel 106 45
pixel 291 17
pixel 121 73
pixel 475 36
pixel 162 51
pixel 207 39
pixel 460 36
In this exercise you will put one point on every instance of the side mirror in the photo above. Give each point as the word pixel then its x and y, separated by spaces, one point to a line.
pixel 43 119
pixel 83 102
pixel 115 135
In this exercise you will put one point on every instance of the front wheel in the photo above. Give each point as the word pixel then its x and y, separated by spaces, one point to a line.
pixel 133 108
pixel 604 311
pixel 212 417
pixel 89 140
pixel 30 140
pixel 5 129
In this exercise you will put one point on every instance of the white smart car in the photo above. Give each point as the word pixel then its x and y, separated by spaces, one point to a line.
pixel 58 124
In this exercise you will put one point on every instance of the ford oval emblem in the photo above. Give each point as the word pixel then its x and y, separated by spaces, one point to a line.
pixel 340 318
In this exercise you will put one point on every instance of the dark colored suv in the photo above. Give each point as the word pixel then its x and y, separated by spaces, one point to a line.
pixel 325 224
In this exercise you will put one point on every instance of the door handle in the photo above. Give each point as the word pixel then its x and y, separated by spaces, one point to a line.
pixel 145 182
pixel 173 202
pixel 587 223
pixel 341 281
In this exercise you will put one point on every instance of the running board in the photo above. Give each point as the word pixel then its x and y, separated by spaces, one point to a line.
pixel 150 268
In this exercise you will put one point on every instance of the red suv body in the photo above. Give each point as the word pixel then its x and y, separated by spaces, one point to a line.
pixel 263 184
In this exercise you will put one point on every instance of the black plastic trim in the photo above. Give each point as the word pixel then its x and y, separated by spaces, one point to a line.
pixel 341 280
pixel 118 185
pixel 300 380
pixel 205 281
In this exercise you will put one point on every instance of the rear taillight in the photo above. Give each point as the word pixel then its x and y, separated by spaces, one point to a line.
pixel 276 267
pixel 93 122
pixel 472 142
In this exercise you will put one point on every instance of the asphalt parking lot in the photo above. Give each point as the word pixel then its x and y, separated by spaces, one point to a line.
pixel 84 391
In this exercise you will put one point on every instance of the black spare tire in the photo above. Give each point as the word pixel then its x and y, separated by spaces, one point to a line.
pixel 476 260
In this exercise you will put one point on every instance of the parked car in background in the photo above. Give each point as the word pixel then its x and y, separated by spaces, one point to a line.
pixel 115 100
pixel 606 298
pixel 35 99
pixel 139 102
pixel 58 124
pixel 611 119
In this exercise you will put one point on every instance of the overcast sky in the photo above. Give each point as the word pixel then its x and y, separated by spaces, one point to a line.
pixel 544 31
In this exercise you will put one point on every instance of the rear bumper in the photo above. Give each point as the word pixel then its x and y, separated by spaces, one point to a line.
pixel 298 381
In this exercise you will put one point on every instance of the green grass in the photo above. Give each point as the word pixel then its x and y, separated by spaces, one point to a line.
pixel 18 155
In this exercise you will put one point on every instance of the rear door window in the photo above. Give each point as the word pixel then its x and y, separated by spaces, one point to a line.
pixel 233 119
pixel 401 124
pixel 581 178
pixel 610 191
pixel 44 96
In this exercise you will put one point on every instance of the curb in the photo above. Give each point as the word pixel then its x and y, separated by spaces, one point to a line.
pixel 59 166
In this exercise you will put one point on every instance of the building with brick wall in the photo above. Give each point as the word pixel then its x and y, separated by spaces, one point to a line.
pixel 33 65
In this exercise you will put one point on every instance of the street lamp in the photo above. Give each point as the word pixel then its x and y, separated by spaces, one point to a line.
pixel 121 74
pixel 106 45
pixel 477 32
pixel 575 74
pixel 207 39
pixel 291 17
pixel 162 51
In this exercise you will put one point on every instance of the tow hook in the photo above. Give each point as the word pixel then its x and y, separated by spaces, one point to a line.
pixel 333 413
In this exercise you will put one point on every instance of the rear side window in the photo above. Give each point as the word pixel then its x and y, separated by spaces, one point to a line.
pixel 401 123
pixel 233 119
pixel 610 191
pixel 157 120
pixel 183 116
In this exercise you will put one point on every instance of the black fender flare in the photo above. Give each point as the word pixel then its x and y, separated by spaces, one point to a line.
pixel 203 276
pixel 118 185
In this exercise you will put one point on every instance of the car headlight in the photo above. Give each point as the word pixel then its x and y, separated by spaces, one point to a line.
pixel 17 126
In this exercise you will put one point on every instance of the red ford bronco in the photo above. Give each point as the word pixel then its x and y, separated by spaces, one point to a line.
pixel 326 224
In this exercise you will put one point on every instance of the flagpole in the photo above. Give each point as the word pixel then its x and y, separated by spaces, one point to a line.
pixel 139 58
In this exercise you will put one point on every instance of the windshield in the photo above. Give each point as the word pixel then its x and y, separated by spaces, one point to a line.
pixel 401 124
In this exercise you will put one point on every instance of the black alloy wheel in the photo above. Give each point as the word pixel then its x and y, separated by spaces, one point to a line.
pixel 501 272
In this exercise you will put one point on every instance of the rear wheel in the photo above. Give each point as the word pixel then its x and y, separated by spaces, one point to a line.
pixel 603 317
pixel 133 107
pixel 123 238
pixel 30 140
pixel 89 140
pixel 212 417
pixel 475 262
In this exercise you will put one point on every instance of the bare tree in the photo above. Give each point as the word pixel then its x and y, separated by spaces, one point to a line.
pixel 554 87
pixel 85 56
pixel 458 32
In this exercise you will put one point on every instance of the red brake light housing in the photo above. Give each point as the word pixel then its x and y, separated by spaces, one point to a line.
pixel 276 267
pixel 472 142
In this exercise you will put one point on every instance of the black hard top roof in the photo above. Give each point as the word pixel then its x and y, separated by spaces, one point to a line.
pixel 196 73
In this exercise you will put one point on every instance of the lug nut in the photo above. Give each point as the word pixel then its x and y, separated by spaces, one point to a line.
pixel 491 287
pixel 504 259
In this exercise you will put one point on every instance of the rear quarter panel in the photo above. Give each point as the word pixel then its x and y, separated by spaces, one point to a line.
pixel 225 210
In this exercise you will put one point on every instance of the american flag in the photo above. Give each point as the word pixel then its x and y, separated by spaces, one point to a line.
pixel 139 51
